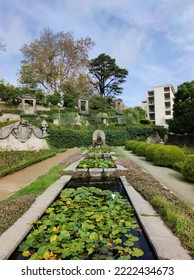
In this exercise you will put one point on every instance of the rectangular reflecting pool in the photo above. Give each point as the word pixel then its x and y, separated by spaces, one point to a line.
pixel 90 219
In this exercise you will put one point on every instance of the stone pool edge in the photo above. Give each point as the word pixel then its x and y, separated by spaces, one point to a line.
pixel 166 245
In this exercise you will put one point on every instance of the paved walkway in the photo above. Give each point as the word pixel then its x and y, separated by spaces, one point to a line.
pixel 168 177
pixel 13 182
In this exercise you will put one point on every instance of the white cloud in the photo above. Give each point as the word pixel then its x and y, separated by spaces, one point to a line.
pixel 154 40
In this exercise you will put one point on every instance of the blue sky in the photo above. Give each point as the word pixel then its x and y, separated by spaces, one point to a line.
pixel 152 39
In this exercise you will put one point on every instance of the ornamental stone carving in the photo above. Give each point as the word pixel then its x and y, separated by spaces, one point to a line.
pixel 23 136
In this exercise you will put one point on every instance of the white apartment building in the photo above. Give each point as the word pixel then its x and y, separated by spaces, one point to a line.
pixel 159 104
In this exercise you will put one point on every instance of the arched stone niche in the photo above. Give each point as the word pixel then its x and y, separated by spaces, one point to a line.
pixel 98 138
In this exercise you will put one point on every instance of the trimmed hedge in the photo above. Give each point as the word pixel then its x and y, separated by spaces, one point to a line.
pixel 135 145
pixel 149 153
pixel 68 138
pixel 129 144
pixel 141 149
pixel 188 168
pixel 143 132
pixel 168 156
pixel 62 137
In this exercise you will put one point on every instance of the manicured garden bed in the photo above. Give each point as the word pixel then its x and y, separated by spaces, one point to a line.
pixel 16 160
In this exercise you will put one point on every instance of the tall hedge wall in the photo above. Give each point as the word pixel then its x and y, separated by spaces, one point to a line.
pixel 60 137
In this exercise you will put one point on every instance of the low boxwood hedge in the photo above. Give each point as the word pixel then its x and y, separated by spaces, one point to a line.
pixel 168 156
pixel 129 144
pixel 141 149
pixel 149 153
pixel 188 168
pixel 135 145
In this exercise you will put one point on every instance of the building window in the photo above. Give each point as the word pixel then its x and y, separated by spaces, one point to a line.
pixel 166 89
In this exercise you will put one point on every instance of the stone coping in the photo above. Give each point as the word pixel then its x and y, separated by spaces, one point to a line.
pixel 165 243
pixel 93 172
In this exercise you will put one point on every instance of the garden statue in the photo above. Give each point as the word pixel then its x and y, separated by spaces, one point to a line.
pixel 44 126
pixel 77 119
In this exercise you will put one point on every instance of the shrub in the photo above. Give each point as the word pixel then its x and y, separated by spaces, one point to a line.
pixel 188 168
pixel 149 152
pixel 168 156
pixel 140 149
pixel 135 145
pixel 129 144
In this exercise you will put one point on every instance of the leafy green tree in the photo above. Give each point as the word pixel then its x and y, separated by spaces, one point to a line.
pixel 10 94
pixel 108 77
pixel 97 101
pixel 134 115
pixel 183 109
pixel 53 99
pixel 69 100
pixel 53 59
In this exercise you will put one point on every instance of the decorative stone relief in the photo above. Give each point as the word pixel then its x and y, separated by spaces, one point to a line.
pixel 23 136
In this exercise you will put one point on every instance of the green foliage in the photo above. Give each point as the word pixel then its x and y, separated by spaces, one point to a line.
pixel 183 113
pixel 141 149
pixel 96 163
pixel 168 156
pixel 62 137
pixel 135 145
pixel 84 223
pixel 67 138
pixel 129 144
pixel 143 132
pixel 145 121
pixel 16 160
pixel 100 150
pixel 108 75
pixel 116 137
pixel 53 59
pixel 69 100
pixel 53 99
pixel 149 152
pixel 188 168
pixel 99 102
pixel 10 94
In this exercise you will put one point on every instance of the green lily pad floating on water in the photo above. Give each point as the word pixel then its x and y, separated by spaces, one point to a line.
pixel 84 223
